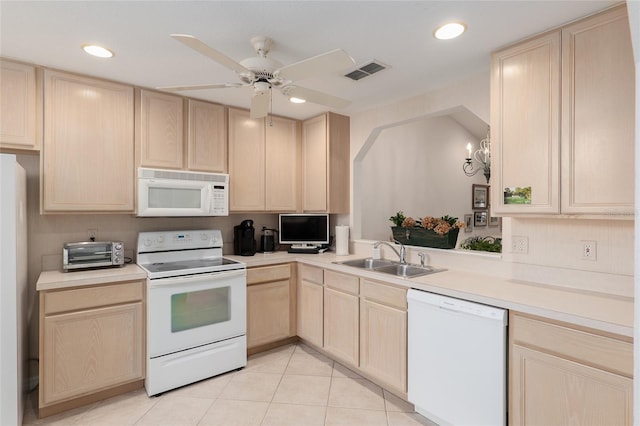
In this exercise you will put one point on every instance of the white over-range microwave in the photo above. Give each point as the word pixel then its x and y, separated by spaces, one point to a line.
pixel 179 193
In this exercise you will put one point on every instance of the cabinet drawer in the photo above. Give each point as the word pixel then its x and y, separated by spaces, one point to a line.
pixel 342 282
pixel 311 274
pixel 385 294
pixel 598 351
pixel 92 297
pixel 268 273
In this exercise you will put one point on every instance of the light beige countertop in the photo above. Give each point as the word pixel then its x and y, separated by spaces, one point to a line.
pixel 603 312
pixel 58 280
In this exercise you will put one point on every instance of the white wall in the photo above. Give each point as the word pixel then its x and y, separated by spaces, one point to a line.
pixel 366 127
pixel 417 168
pixel 554 255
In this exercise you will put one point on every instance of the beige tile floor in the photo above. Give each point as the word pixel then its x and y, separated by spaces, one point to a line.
pixel 290 385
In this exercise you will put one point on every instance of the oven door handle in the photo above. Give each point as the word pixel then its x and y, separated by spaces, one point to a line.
pixel 166 282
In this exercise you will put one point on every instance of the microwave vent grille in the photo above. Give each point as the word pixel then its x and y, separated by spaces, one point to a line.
pixel 178 175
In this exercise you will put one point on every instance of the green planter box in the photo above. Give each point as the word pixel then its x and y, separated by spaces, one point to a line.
pixel 425 237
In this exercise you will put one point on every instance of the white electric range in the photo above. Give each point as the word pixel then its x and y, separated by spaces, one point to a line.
pixel 196 308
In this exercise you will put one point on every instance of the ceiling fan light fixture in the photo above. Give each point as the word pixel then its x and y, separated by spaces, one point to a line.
pixel 295 100
pixel 449 30
pixel 97 51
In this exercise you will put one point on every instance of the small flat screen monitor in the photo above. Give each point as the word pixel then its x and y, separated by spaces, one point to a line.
pixel 304 230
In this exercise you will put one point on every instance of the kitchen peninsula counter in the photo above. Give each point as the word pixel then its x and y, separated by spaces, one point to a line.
pixel 608 313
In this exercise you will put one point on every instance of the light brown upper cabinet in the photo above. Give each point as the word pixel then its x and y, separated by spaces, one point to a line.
pixel 562 120
pixel 20 106
pixel 87 160
pixel 177 133
pixel 263 163
pixel 206 137
pixel 325 164
pixel 597 135
pixel 159 129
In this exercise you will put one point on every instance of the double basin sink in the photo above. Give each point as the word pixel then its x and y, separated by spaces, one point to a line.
pixel 390 267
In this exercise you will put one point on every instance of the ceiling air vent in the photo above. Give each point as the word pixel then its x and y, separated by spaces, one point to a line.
pixel 366 70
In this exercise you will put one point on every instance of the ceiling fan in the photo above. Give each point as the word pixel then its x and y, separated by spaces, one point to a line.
pixel 264 74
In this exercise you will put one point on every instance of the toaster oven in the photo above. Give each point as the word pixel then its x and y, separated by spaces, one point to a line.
pixel 92 254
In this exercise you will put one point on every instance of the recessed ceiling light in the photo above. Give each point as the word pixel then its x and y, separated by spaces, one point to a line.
pixel 297 100
pixel 449 31
pixel 95 50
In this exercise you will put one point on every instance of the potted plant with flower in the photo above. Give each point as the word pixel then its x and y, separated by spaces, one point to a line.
pixel 427 231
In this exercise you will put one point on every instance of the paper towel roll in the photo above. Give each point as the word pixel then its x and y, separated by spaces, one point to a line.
pixel 342 240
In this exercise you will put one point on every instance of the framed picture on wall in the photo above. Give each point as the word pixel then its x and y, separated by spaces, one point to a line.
pixel 479 197
pixel 494 221
pixel 480 218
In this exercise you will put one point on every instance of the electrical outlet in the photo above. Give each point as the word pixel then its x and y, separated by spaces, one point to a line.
pixel 92 234
pixel 519 244
pixel 589 250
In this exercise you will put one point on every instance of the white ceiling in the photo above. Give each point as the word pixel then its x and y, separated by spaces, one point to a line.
pixel 398 33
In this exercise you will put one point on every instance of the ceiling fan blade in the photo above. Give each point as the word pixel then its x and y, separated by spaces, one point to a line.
pixel 333 61
pixel 210 52
pixel 315 96
pixel 259 104
pixel 200 87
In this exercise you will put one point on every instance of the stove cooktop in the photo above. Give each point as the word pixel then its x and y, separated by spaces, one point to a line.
pixel 185 265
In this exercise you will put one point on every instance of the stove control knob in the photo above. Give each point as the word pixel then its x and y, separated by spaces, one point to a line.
pixel 204 237
pixel 160 239
pixel 147 242
pixel 118 246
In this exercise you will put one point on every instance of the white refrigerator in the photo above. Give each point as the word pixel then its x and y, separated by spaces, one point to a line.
pixel 13 289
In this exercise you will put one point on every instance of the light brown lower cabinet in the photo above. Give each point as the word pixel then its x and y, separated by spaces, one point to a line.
pixel 560 374
pixel 270 305
pixel 310 304
pixel 341 316
pixel 383 333
pixel 91 344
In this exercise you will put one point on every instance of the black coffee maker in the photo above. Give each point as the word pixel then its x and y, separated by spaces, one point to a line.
pixel 244 240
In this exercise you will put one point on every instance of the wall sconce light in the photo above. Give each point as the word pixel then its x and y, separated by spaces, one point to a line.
pixel 481 159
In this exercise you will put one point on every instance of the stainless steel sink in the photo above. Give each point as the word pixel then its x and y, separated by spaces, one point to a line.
pixel 407 271
pixel 368 263
pixel 390 267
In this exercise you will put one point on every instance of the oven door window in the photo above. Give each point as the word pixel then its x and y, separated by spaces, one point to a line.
pixel 200 308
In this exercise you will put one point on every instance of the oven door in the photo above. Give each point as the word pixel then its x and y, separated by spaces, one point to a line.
pixel 185 312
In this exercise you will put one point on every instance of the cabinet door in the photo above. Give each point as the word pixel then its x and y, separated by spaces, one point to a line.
pixel 88 147
pixel 267 313
pixel 525 113
pixel 281 168
pixel 548 390
pixel 339 158
pixel 383 343
pixel 20 106
pixel 341 325
pixel 90 350
pixel 598 110
pixel 246 162
pixel 207 137
pixel 310 304
pixel 160 130
pixel 314 164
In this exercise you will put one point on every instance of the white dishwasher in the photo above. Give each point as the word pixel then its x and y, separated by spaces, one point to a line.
pixel 457 360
